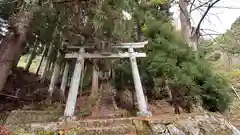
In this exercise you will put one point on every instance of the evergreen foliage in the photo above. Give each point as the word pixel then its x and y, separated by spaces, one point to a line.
pixel 169 56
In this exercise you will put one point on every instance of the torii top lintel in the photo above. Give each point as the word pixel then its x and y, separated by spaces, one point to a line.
pixel 113 55
pixel 121 45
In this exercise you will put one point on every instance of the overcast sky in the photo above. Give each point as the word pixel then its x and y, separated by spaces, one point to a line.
pixel 218 19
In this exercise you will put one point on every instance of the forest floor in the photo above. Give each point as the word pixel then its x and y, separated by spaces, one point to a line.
pixel 24 89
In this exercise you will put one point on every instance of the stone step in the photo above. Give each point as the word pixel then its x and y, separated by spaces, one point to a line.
pixel 163 118
pixel 81 124
pixel 25 116
pixel 120 127
pixel 107 115
pixel 100 122
pixel 109 130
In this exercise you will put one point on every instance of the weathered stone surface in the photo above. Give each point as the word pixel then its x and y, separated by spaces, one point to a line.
pixel 174 130
pixel 126 99
pixel 235 131
pixel 112 130
pixel 159 129
pixel 189 125
pixel 198 124
pixel 142 127
pixel 118 126
pixel 192 124
pixel 24 117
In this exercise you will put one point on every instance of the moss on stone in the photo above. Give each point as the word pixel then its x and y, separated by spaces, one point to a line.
pixel 22 131
pixel 124 112
pixel 142 127
pixel 25 117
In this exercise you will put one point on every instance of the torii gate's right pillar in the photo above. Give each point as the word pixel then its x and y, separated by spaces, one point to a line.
pixel 142 104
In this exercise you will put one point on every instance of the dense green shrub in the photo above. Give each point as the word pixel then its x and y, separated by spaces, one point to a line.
pixel 168 54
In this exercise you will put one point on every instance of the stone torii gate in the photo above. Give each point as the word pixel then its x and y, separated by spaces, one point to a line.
pixel 82 54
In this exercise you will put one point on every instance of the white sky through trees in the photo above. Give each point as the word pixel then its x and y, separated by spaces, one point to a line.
pixel 219 18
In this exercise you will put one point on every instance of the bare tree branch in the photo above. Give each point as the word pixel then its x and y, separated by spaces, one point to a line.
pixel 201 5
pixel 227 7
pixel 67 1
pixel 192 5
pixel 201 12
pixel 201 20
pixel 8 2
pixel 74 1
pixel 210 30
pixel 213 34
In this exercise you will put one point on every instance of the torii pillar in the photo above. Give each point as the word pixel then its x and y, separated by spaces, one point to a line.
pixel 75 82
pixel 142 104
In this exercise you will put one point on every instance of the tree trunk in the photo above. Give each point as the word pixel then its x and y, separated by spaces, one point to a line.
pixel 54 79
pixel 15 63
pixel 65 78
pixel 45 69
pixel 47 64
pixel 13 44
pixel 186 27
pixel 94 91
pixel 31 58
pixel 51 69
pixel 56 75
pixel 138 31
pixel 40 63
pixel 168 91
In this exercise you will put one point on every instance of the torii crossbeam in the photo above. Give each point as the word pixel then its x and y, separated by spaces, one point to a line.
pixel 81 55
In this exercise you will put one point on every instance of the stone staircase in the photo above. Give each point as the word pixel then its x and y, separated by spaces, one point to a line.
pixel 116 126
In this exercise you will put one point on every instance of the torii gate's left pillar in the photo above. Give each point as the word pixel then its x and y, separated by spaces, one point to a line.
pixel 75 82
